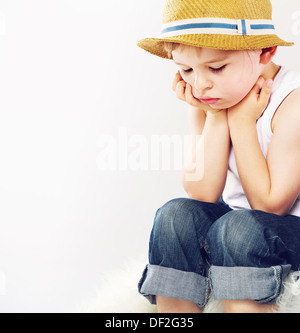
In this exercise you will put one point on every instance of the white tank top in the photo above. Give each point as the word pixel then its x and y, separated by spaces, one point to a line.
pixel 285 82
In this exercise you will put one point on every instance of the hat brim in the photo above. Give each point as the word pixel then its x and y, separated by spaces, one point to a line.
pixel 221 42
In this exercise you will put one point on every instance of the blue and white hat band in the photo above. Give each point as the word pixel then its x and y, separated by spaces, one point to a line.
pixel 218 26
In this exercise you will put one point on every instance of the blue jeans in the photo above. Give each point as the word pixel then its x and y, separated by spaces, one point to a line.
pixel 198 247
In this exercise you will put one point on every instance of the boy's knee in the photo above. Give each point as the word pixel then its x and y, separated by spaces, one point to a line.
pixel 173 216
pixel 173 237
pixel 234 238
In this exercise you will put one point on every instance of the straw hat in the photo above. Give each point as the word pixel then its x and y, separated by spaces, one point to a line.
pixel 216 24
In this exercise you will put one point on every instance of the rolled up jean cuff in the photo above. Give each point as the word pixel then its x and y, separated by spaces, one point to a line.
pixel 173 283
pixel 237 283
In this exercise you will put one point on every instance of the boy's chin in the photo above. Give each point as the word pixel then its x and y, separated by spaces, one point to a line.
pixel 215 109
pixel 222 106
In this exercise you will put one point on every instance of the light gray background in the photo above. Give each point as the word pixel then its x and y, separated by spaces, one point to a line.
pixel 71 75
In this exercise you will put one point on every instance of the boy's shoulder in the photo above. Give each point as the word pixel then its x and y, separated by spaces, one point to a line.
pixel 285 88
pixel 288 111
pixel 287 79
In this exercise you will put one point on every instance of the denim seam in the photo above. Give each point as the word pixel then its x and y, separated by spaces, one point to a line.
pixel 207 293
pixel 277 276
pixel 205 246
pixel 209 288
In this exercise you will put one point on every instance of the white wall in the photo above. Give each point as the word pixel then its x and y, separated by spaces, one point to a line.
pixel 73 86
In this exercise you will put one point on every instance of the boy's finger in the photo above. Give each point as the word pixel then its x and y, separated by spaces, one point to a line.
pixel 180 90
pixel 190 99
pixel 177 79
pixel 259 84
pixel 189 95
pixel 265 92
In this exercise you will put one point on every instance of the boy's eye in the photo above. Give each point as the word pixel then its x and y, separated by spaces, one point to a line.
pixel 187 70
pixel 219 69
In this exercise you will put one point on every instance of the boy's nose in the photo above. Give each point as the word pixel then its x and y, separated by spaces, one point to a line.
pixel 202 84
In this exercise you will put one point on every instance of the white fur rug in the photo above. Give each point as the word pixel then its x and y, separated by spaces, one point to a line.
pixel 118 293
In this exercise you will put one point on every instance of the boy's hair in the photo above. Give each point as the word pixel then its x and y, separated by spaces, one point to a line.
pixel 169 47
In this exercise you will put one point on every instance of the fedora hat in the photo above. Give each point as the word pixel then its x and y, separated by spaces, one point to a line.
pixel 215 24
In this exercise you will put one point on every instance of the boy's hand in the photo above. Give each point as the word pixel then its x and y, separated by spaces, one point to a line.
pixel 184 92
pixel 253 105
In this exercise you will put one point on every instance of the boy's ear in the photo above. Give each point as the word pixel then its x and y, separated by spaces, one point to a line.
pixel 267 54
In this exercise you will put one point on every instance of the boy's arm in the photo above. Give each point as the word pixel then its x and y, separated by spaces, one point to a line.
pixel 271 184
pixel 205 171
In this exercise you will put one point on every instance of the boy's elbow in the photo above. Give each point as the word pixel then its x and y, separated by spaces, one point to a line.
pixel 199 194
pixel 276 211
pixel 205 191
pixel 276 208
pixel 203 198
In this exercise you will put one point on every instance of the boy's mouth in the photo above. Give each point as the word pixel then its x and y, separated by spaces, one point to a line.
pixel 208 100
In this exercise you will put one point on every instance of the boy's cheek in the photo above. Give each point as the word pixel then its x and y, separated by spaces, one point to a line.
pixel 234 95
pixel 195 92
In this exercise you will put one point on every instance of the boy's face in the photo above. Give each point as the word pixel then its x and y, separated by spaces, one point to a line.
pixel 218 78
